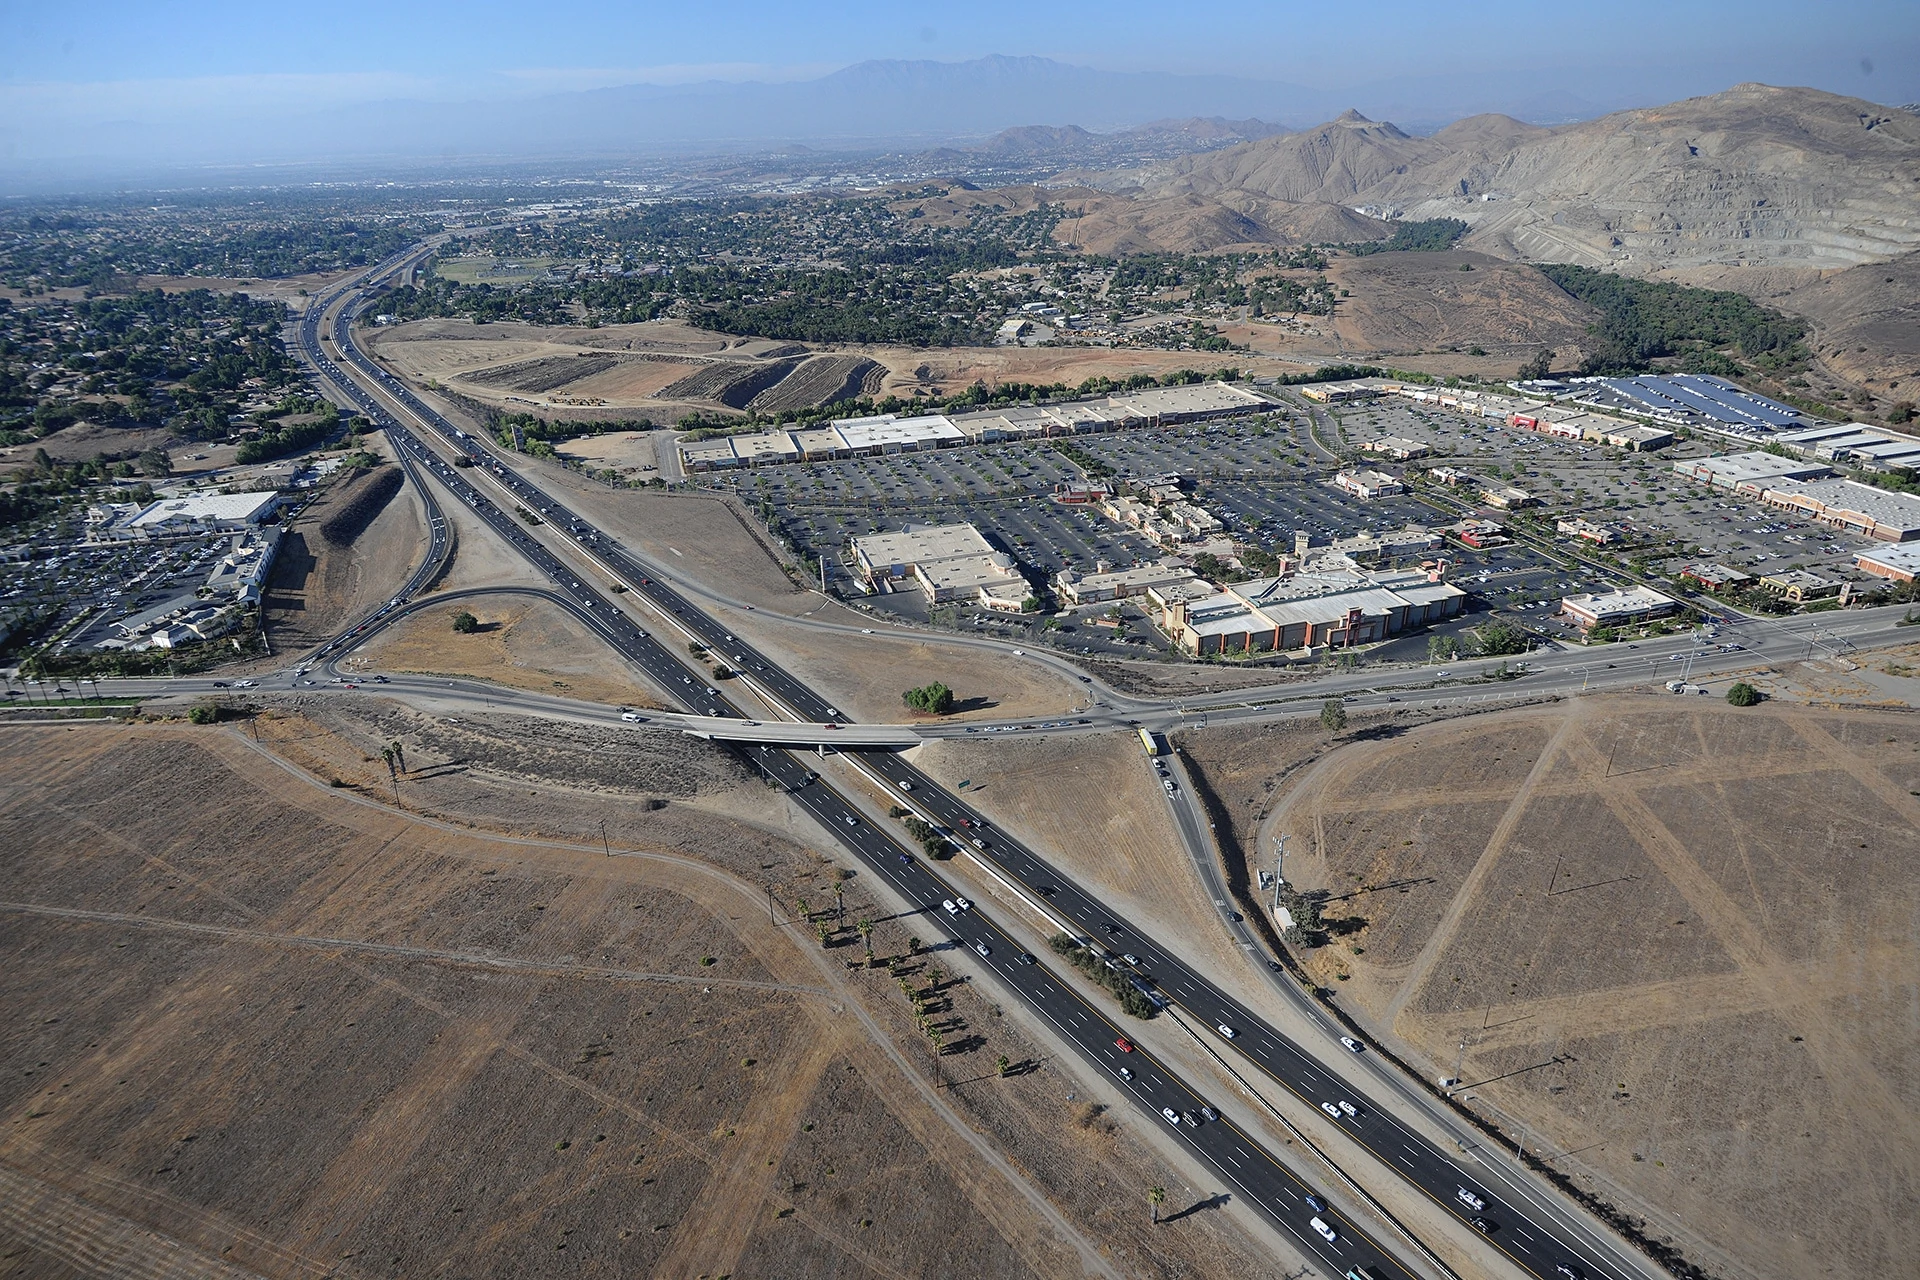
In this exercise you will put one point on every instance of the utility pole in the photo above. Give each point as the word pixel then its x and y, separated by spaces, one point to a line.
pixel 603 838
pixel 1279 858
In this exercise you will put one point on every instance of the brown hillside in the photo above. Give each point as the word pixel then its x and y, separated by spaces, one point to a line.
pixel 1756 174
pixel 1409 302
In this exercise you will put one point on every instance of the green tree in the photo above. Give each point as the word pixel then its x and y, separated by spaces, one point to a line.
pixel 1002 1064
pixel 1333 715
pixel 933 699
pixel 203 714
pixel 1743 694
pixel 1442 648
pixel 1156 1196
pixel 1537 368
pixel 1498 638
pixel 465 623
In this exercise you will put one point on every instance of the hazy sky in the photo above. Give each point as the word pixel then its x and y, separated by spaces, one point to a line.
pixel 68 65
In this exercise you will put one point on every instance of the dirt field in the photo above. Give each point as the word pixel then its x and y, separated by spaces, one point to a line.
pixel 269 1027
pixel 523 644
pixel 317 584
pixel 632 453
pixel 1679 945
pixel 1094 806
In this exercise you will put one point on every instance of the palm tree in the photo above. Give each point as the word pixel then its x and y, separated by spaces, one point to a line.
pixel 386 753
pixel 1002 1064
pixel 400 756
pixel 865 926
pixel 1156 1196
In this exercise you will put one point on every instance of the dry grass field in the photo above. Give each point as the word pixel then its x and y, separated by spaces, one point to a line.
pixel 1681 947
pixel 522 643
pixel 259 1025
pixel 297 1036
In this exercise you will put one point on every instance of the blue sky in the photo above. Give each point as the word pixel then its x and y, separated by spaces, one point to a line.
pixel 551 45
pixel 67 68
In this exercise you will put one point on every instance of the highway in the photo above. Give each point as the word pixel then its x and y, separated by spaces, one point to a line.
pixel 1246 1166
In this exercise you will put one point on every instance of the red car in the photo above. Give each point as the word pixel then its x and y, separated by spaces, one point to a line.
pixel 1123 1044
pixel 829 725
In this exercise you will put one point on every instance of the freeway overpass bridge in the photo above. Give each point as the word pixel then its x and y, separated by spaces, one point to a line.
pixel 778 733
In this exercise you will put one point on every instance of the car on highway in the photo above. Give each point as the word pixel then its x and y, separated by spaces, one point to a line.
pixel 219 684
pixel 1353 1046
pixel 1469 1198
pixel 1349 1108
pixel 906 859
pixel 850 820
pixel 947 904
pixel 1027 957
pixel 1315 1203
pixel 1226 1031
pixel 1209 1114
pixel 243 684
pixel 1566 1272
pixel 1330 1109
pixel 631 717
pixel 1189 1119
pixel 983 948
pixel 1123 1044
pixel 963 903
pixel 1327 1233
pixel 1125 1073
pixel 1484 1227
pixel 1173 1117
pixel 905 785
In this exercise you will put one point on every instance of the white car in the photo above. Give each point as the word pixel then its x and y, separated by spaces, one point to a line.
pixel 1349 1108
pixel 1330 1109
pixel 1173 1117
pixel 630 717
pixel 905 785
pixel 1327 1233
pixel 1226 1031
pixel 951 909
pixel 963 904
pixel 1353 1046
pixel 983 948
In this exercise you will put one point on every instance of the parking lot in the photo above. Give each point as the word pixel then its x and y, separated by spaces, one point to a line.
pixel 69 580
pixel 1264 479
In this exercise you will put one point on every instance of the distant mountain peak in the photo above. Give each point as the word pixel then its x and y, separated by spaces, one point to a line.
pixel 1350 116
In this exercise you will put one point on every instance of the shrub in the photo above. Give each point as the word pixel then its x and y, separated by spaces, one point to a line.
pixel 1333 715
pixel 1743 695
pixel 203 714
pixel 465 623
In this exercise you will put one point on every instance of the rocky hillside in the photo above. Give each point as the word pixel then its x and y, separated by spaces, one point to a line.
pixel 1755 175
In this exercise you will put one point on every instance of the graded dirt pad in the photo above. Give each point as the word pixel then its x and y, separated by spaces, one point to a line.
pixel 264 1027
pixel 1679 943
pixel 318 584
pixel 522 643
